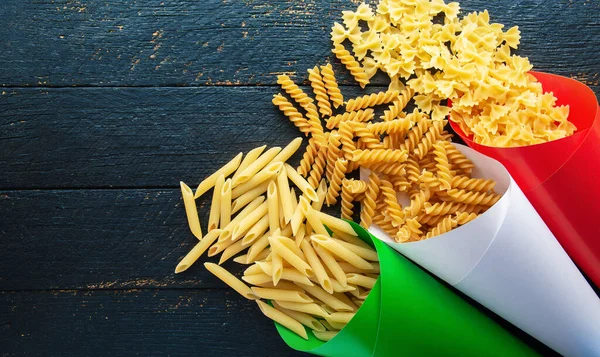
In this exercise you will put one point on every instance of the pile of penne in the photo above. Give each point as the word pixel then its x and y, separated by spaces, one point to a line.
pixel 310 277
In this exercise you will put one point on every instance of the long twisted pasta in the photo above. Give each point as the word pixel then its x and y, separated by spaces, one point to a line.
pixel 464 217
pixel 446 225
pixel 334 152
pixel 425 218
pixel 414 135
pixel 294 91
pixel 418 201
pixel 346 138
pixel 308 158
pixel 369 202
pixel 358 116
pixel 393 208
pixel 413 170
pixel 400 183
pixel 335 95
pixel 409 231
pixel 379 155
pixel 472 184
pixel 475 198
pixel 347 199
pixel 384 168
pixel 335 184
pixel 398 104
pixel 371 100
pixel 442 165
pixel 385 224
pixel 365 136
pixel 445 208
pixel 351 64
pixel 318 86
pixel 396 126
pixel 318 167
pixel 458 159
pixel 430 137
pixel 292 113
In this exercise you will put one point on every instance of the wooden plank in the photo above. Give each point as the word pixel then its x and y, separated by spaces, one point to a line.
pixel 136 323
pixel 186 42
pixel 132 137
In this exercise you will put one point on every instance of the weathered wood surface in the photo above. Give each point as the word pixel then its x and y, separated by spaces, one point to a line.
pixel 154 322
pixel 188 42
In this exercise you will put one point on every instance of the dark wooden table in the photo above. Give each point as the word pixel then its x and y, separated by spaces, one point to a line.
pixel 106 105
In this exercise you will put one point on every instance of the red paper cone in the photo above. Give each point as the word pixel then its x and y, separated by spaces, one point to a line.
pixel 561 178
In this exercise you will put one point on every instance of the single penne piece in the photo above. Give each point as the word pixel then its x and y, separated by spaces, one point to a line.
pixel 277 266
pixel 288 242
pixel 349 268
pixel 225 170
pixel 258 246
pixel 215 206
pixel 289 274
pixel 260 256
pixel 286 285
pixel 346 300
pixel 338 288
pixel 293 200
pixel 365 253
pixel 191 210
pixel 350 239
pixel 337 325
pixel 229 279
pixel 340 251
pixel 361 280
pixel 282 221
pixel 327 309
pixel 192 256
pixel 256 166
pixel 327 298
pixel 315 264
pixel 332 265
pixel 248 197
pixel 314 221
pixel 219 247
pixel 357 292
pixel 288 151
pixel 232 250
pixel 318 205
pixel 300 235
pixel 277 246
pixel 310 308
pixel 357 302
pixel 304 319
pixel 257 279
pixel 298 216
pixel 364 294
pixel 282 319
pixel 226 232
pixel 225 210
pixel 250 157
pixel 248 222
pixel 301 183
pixel 273 206
pixel 283 189
pixel 253 269
pixel 327 325
pixel 334 223
pixel 279 294
pixel 326 335
pixel 271 170
pixel 241 259
pixel 257 230
pixel 339 317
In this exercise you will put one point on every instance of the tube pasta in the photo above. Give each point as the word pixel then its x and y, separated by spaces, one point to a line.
pixel 226 232
pixel 288 255
pixel 327 298
pixel 333 267
pixel 213 218
pixel 263 175
pixel 247 222
pixel 248 197
pixel 361 280
pixel 250 157
pixel 341 251
pixel 230 280
pixel 191 210
pixel 304 319
pixel 192 256
pixel 301 183
pixel 225 170
pixel 283 189
pixel 335 224
pixel 256 166
pixel 258 229
pixel 232 250
pixel 315 264
pixel 225 201
pixel 281 295
pixel 282 319
pixel 289 274
pixel 273 206
pixel 310 308
pixel 298 216
pixel 287 151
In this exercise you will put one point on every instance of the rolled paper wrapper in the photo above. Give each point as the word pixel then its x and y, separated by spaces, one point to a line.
pixel 509 261
pixel 410 313
pixel 560 178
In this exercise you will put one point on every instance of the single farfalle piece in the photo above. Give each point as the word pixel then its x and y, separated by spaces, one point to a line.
pixel 339 34
pixel 370 41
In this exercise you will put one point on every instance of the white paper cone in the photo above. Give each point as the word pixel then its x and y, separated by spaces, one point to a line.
pixel 508 260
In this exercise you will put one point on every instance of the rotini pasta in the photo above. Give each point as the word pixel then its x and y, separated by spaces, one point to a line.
pixel 371 100
pixel 446 225
pixel 357 116
pixel 318 86
pixel 292 113
pixel 351 64
pixel 377 156
pixel 336 181
pixel 393 208
pixel 333 91
pixel 369 202
pixel 442 166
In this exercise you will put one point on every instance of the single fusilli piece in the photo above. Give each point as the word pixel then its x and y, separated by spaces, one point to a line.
pixel 369 201
pixel 459 161
pixel 393 208
pixel 428 179
pixel 427 141
pixel 473 198
pixel 318 167
pixel 371 100
pixel 335 95
pixel 292 113
pixel 347 197
pixel 351 64
pixel 385 224
pixel 425 218
pixel 445 208
pixel 357 116
pixel 464 217
pixel 346 138
pixel 409 231
pixel 377 156
pixel 413 170
pixel 308 158
pixel 318 86
pixel 370 140
pixel 472 184
pixel 334 152
pixel 400 182
pixel 295 92
pixel 397 126
pixel 442 166
pixel 446 225
pixel 335 184
pixel 417 202
pixel 384 168
pixel 398 104
pixel 415 134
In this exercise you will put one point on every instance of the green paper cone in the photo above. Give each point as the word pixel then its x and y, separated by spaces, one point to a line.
pixel 410 313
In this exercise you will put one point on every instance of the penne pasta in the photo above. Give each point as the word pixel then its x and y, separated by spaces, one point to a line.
pixel 346 300
pixel 288 242
pixel 348 268
pixel 257 279
pixel 310 308
pixel 334 223
pixel 283 189
pixel 325 335
pixel 229 279
pixel 250 157
pixel 260 256
pixel 248 197
pixel 298 216
pixel 256 166
pixel 241 259
pixel 258 246
pixel 365 253
pixel 361 280
pixel 192 256
pixel 317 205
pixel 191 210
pixel 277 267
pixel 251 207
pixel 300 235
pixel 232 250
pixel 289 274
pixel 338 288
pixel 215 206
pixel 328 310
pixel 327 298
pixel 249 221
pixel 293 200
pixel 339 317
pixel 304 319
pixel 314 221
pixel 271 170
pixel 282 319
pixel 257 230
pixel 219 247
pixel 225 204
pixel 301 183
pixel 332 265
pixel 286 285
pixel 315 264
pixel 225 170
pixel 253 269
pixel 273 206
pixel 281 295
pixel 351 239
pixel 340 251
pixel 288 151
pixel 358 302
pixel 278 247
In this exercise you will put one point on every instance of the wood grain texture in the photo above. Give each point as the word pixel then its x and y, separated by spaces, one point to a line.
pixel 135 323
pixel 186 42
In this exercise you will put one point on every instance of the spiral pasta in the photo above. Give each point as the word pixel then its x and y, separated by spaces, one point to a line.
pixel 385 168
pixel 377 156
pixel 351 64
pixel 418 201
pixel 335 95
pixel 308 158
pixel 464 217
pixel 393 208
pixel 346 138
pixel 398 104
pixel 369 201
pixel 427 141
pixel 409 231
pixel 472 184
pixel 445 208
pixel 459 161
pixel 385 224
pixel 414 135
pixel 371 100
pixel 366 137
pixel 413 170
pixel 396 126
pixel 292 113
pixel 357 116
pixel 442 165
pixel 295 92
pixel 334 152
pixel 318 167
pixel 474 198
pixel 347 198
pixel 318 86
pixel 446 225
pixel 400 182
pixel 335 184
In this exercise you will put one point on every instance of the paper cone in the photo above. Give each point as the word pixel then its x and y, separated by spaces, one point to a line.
pixel 410 313
pixel 508 260
pixel 560 178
